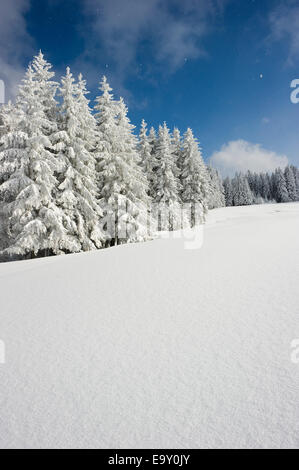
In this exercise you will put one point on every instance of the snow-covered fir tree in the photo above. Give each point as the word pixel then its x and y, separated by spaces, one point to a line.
pixel 122 185
pixel 217 196
pixel 77 190
pixel 12 143
pixel 273 186
pixel 177 147
pixel 166 186
pixel 12 150
pixel 290 183
pixel 251 181
pixel 265 189
pixel 107 157
pixel 228 192
pixel 34 220
pixel 6 118
pixel 146 157
pixel 242 194
pixel 257 184
pixel 152 139
pixel 134 200
pixel 280 186
pixel 43 75
pixel 296 177
pixel 195 187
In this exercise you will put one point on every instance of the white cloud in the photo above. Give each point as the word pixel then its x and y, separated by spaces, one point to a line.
pixel 284 24
pixel 14 43
pixel 240 155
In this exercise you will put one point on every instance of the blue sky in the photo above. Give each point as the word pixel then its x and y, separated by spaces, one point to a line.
pixel 222 67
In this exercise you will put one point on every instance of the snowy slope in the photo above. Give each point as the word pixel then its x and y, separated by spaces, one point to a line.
pixel 156 346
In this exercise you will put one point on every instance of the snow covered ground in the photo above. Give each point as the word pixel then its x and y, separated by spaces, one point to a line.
pixel 156 346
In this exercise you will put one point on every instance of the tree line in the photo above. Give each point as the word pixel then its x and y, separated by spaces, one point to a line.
pixel 258 188
pixel 75 177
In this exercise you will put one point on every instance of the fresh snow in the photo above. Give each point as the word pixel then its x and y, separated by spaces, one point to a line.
pixel 151 345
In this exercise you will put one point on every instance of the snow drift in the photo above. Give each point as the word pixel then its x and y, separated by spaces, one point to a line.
pixel 152 345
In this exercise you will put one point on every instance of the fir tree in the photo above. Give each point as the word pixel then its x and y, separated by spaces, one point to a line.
pixel 107 157
pixel 34 220
pixel 251 181
pixel 177 148
pixel 12 144
pixel 12 150
pixel 133 199
pixel 43 75
pixel 228 192
pixel 265 186
pixel 77 190
pixel 194 177
pixel 216 197
pixel 146 157
pixel 296 177
pixel 290 183
pixel 242 195
pixel 256 186
pixel 273 186
pixel 281 190
pixel 152 139
pixel 166 184
pixel 122 185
